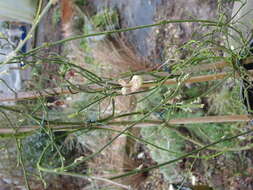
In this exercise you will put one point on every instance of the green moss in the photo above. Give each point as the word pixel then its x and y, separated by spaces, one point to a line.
pixel 81 2
pixel 107 19
pixel 56 17
pixel 227 100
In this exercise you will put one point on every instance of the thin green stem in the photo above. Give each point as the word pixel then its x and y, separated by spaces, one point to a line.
pixel 46 45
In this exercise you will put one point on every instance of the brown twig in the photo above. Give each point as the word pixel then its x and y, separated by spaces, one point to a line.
pixel 147 123
pixel 212 66
pixel 61 91
pixel 33 94
pixel 203 78
pixel 212 119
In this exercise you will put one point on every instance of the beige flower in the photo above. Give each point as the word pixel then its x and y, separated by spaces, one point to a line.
pixel 136 83
pixel 125 91
pixel 54 2
pixel 133 86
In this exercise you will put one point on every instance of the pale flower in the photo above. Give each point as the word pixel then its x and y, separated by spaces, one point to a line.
pixel 133 86
pixel 54 2
pixel 125 91
pixel 136 83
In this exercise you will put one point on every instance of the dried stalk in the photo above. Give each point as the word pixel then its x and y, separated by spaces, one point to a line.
pixel 60 91
pixel 212 66
pixel 33 94
pixel 203 78
pixel 148 123
pixel 212 119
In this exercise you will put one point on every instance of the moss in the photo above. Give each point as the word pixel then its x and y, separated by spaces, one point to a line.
pixel 56 17
pixel 81 2
pixel 107 19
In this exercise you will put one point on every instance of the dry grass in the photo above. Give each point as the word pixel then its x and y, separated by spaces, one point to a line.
pixel 135 181
pixel 114 53
pixel 117 56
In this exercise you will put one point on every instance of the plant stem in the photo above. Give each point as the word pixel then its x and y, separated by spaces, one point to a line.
pixel 141 124
pixel 133 172
pixel 62 91
pixel 214 23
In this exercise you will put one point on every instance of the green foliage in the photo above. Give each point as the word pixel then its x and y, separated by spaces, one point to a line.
pixel 107 19
pixel 56 18
pixel 167 139
pixel 85 45
pixel 187 104
pixel 227 100
pixel 85 108
pixel 81 2
pixel 35 144
pixel 177 101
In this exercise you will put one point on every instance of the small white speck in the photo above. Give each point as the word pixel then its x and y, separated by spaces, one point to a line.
pixel 69 98
pixel 193 180
pixel 141 155
pixel 171 187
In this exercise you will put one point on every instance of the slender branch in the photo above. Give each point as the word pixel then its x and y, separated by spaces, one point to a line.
pixel 214 23
pixel 145 123
pixel 62 91
pixel 203 78
pixel 35 94
pixel 211 119
pixel 134 172
pixel 110 182
pixel 60 171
